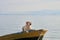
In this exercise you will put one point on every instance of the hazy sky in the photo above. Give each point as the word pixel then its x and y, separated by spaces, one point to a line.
pixel 28 5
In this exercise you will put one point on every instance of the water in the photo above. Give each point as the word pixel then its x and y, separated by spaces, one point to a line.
pixel 13 23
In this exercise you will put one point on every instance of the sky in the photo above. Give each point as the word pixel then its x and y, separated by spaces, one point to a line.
pixel 28 5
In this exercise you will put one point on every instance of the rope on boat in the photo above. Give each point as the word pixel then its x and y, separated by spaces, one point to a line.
pixel 40 37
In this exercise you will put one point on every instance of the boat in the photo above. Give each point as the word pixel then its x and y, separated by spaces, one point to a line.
pixel 30 35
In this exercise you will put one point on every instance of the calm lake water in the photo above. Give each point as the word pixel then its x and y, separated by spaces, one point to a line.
pixel 13 23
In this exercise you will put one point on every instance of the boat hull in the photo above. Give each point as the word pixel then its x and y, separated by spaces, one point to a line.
pixel 31 35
